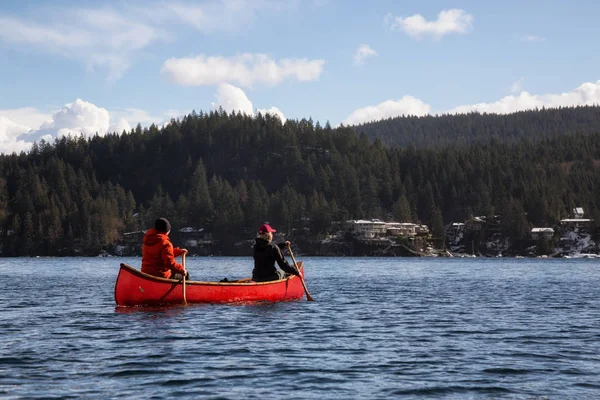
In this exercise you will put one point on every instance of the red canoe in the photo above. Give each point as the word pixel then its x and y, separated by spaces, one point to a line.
pixel 135 288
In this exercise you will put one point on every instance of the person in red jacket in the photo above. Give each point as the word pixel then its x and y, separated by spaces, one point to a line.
pixel 158 254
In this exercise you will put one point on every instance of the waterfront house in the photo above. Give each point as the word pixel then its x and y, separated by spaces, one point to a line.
pixel 572 223
pixel 131 243
pixel 493 224
pixel 374 228
pixel 577 221
pixel 454 230
pixel 422 229
pixel 542 233
pixel 133 238
pixel 195 237
pixel 474 224
pixel 367 228
pixel 401 229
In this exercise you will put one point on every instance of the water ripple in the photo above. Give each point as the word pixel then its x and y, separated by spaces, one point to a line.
pixel 380 328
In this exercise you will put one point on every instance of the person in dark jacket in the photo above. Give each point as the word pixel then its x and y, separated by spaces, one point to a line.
pixel 266 253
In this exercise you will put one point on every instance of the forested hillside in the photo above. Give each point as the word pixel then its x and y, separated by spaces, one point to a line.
pixel 467 129
pixel 228 173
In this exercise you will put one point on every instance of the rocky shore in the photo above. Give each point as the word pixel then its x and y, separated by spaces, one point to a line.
pixel 572 244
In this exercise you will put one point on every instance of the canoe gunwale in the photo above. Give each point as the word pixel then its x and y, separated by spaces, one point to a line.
pixel 154 290
pixel 149 277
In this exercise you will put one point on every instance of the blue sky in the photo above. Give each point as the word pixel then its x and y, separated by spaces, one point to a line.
pixel 90 66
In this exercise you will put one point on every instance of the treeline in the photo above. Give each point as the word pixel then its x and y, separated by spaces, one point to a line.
pixel 467 129
pixel 228 173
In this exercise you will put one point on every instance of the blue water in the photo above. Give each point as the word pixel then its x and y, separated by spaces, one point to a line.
pixel 380 328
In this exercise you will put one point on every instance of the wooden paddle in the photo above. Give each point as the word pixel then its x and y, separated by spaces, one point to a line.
pixel 183 300
pixel 308 296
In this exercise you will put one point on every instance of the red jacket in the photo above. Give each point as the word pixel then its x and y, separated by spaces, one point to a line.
pixel 158 255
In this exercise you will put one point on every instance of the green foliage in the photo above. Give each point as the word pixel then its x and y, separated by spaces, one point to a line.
pixel 467 129
pixel 401 210
pixel 78 196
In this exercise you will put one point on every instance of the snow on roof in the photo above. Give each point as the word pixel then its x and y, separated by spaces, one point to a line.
pixel 133 233
pixel 542 230
pixel 189 229
pixel 476 219
pixel 575 220
pixel 363 221
pixel 402 224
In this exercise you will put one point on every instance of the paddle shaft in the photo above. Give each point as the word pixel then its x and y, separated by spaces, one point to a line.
pixel 183 300
pixel 308 296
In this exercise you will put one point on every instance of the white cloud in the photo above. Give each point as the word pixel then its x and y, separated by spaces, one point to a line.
pixel 363 52
pixel 96 37
pixel 531 38
pixel 449 21
pixel 407 105
pixel 120 126
pixel 214 16
pixel 28 116
pixel 232 98
pixel 517 86
pixel 113 37
pixel 586 94
pixel 79 117
pixel 46 138
pixel 245 70
pixel 9 133
pixel 10 128
pixel 272 111
pixel 20 127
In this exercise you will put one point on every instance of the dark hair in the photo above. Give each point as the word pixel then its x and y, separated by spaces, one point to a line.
pixel 162 225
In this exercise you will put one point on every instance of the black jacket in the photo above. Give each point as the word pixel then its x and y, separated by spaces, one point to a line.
pixel 265 255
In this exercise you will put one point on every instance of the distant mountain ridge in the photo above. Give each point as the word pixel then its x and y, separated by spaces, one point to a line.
pixel 467 129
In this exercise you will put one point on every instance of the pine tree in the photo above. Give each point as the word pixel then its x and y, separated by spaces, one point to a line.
pixel 201 205
pixel 401 210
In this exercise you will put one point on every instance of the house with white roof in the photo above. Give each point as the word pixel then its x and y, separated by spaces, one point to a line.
pixel 571 223
pixel 401 229
pixel 577 221
pixel 367 228
pixel 422 229
pixel 376 228
pixel 454 230
pixel 194 237
pixel 542 233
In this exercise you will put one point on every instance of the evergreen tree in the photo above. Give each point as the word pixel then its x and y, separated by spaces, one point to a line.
pixel 78 195
pixel 201 205
pixel 401 210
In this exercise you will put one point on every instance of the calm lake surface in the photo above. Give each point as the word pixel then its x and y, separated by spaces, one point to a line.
pixel 380 328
